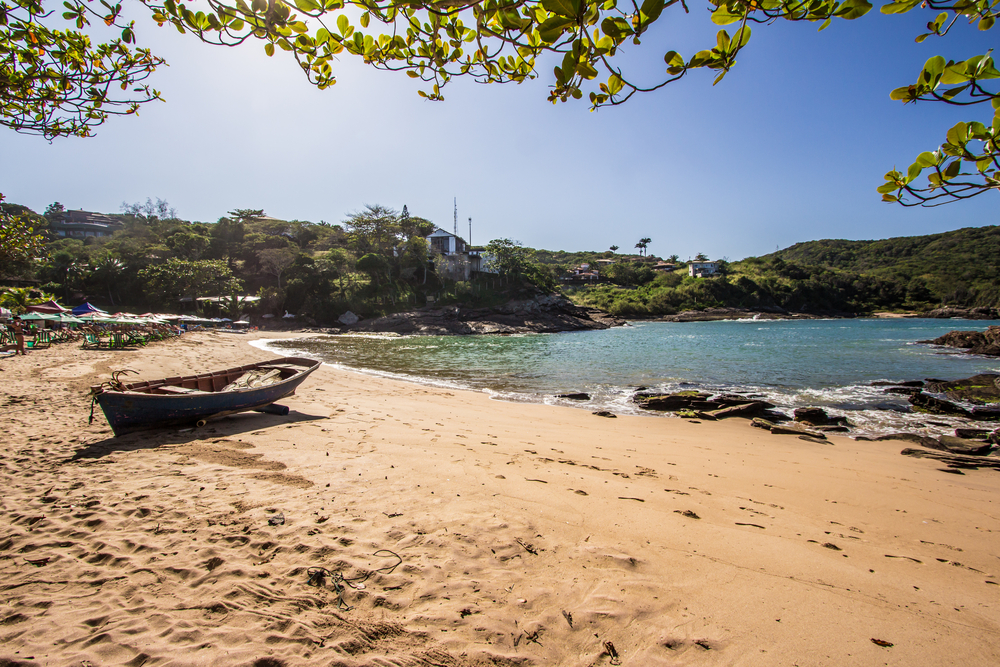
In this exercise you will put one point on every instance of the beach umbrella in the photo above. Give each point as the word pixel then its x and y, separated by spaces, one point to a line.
pixel 87 309
pixel 67 318
pixel 49 307
pixel 40 316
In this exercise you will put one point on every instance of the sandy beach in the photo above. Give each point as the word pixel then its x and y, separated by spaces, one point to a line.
pixel 469 532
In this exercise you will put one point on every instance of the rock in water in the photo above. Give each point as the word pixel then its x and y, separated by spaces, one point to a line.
pixel 818 417
pixel 928 403
pixel 575 396
pixel 348 318
pixel 976 342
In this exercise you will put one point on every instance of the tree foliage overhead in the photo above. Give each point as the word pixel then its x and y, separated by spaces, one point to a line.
pixel 56 82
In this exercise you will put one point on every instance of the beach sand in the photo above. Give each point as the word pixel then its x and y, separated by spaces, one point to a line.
pixel 521 534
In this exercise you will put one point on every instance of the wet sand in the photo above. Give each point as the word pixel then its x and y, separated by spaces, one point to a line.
pixel 470 532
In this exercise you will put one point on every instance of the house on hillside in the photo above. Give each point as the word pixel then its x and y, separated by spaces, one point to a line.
pixel 81 224
pixel 702 269
pixel 454 258
pixel 664 267
pixel 581 274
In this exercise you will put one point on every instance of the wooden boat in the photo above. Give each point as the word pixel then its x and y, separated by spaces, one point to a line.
pixel 193 399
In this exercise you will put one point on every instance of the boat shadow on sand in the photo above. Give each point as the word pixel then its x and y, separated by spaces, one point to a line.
pixel 223 427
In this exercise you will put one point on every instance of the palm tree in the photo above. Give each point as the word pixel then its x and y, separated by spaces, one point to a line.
pixel 641 245
pixel 614 248
pixel 17 299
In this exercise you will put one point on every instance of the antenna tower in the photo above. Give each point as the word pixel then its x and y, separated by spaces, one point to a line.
pixel 470 231
pixel 456 216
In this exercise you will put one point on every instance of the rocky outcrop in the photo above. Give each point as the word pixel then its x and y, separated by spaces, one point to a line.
pixel 974 342
pixel 982 388
pixel 706 406
pixel 549 313
pixel 963 313
pixel 818 417
pixel 713 314
pixel 937 406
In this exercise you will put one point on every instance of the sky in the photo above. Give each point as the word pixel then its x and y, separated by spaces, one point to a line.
pixel 789 147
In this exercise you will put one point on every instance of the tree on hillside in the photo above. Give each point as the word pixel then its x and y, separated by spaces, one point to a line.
pixel 246 214
pixel 161 210
pixel 642 244
pixel 701 257
pixel 614 249
pixel 507 257
pixel 374 229
pixel 274 261
pixel 20 241
pixel 178 278
pixel 59 83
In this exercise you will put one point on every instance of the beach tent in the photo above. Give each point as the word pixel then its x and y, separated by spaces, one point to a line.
pixel 47 307
pixel 87 309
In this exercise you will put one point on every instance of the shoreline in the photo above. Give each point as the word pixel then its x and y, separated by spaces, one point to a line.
pixel 527 534
pixel 889 413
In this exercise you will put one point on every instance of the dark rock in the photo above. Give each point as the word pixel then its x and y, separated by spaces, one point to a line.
pixel 927 403
pixel 575 396
pixel 818 417
pixel 954 460
pixel 962 313
pixel 910 437
pixel 760 422
pixel 907 391
pixel 975 342
pixel 908 383
pixel 963 446
pixel 746 410
pixel 986 414
pixel 681 400
pixel 984 387
pixel 980 434
pixel 605 413
pixel 833 429
pixel 795 429
pixel 776 417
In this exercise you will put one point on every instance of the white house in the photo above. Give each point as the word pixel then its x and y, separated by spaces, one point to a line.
pixel 702 269
pixel 454 258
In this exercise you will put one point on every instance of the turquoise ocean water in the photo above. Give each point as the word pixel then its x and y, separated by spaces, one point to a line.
pixel 828 363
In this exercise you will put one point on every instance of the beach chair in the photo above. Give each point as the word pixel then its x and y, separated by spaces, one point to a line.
pixel 91 341
pixel 42 339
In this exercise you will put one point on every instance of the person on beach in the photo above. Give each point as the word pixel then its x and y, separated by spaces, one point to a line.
pixel 18 336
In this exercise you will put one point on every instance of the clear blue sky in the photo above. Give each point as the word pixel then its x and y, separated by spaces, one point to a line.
pixel 789 147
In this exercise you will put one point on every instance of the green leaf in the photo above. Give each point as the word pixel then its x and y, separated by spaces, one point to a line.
pixel 953 169
pixel 721 16
pixel 343 24
pixel 673 59
pixel 651 9
pixel 926 159
pixel 614 84
pixel 306 5
pixel 886 188
pixel 269 49
pixel 566 8
pixel 365 19
pixel 913 172
pixel 987 22
pixel 904 94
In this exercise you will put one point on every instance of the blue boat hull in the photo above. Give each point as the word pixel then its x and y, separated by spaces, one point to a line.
pixel 137 409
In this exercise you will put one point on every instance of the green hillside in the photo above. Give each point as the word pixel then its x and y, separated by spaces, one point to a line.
pixel 959 268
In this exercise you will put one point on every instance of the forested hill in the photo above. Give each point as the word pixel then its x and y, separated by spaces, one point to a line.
pixel 961 267
pixel 966 251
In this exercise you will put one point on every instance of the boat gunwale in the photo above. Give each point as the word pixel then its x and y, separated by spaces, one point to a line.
pixel 145 387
